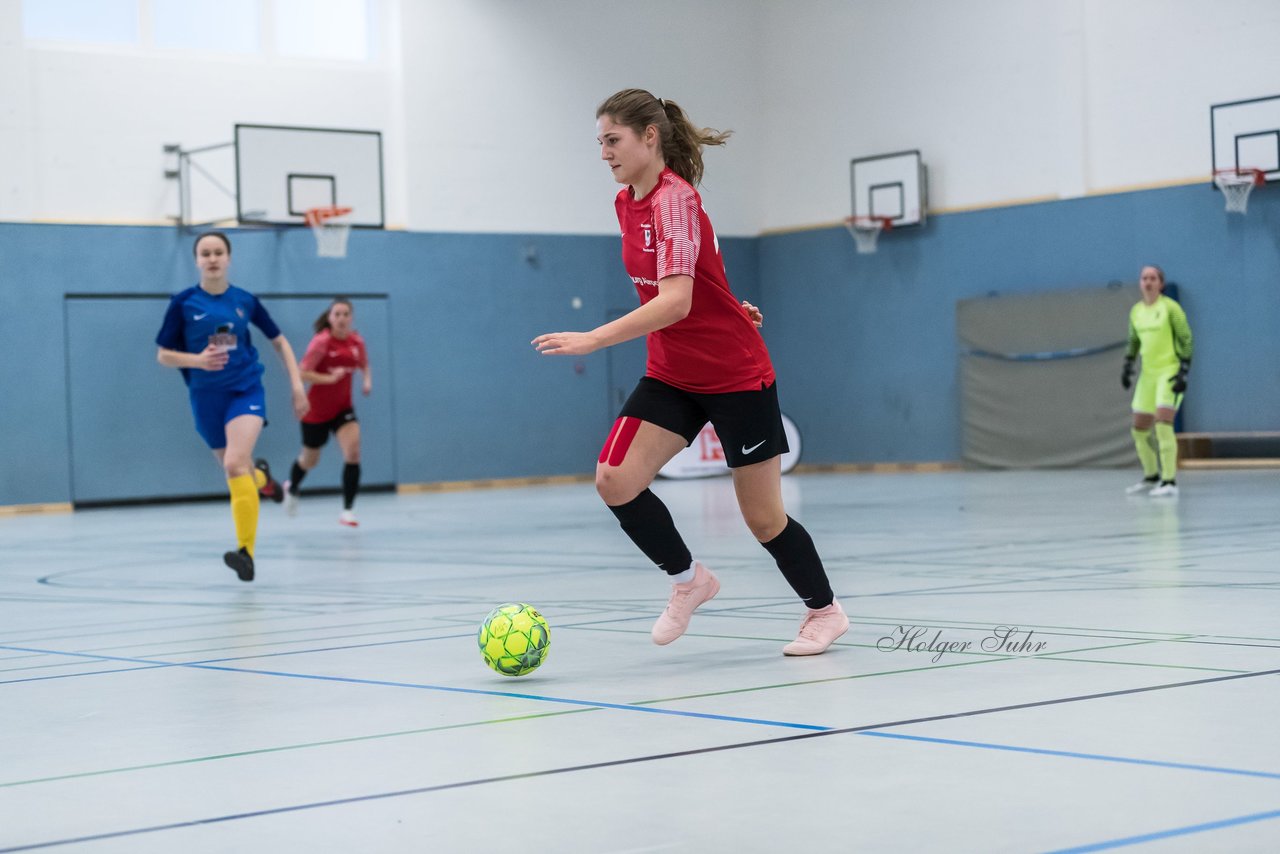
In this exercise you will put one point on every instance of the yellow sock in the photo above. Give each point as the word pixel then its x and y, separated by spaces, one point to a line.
pixel 259 479
pixel 244 510
pixel 1146 453
pixel 1168 450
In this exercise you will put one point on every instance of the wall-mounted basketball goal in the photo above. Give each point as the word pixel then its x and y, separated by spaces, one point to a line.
pixel 328 179
pixel 1245 140
pixel 889 191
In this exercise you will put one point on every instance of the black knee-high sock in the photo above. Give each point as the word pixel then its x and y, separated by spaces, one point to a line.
pixel 296 474
pixel 350 484
pixel 798 559
pixel 647 521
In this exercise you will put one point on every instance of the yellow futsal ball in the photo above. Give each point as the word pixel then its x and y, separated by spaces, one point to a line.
pixel 514 639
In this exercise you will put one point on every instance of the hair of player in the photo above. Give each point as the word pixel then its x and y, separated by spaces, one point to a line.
pixel 195 247
pixel 322 322
pixel 681 140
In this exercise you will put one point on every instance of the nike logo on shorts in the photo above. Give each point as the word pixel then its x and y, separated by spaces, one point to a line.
pixel 254 406
pixel 199 316
pixel 747 450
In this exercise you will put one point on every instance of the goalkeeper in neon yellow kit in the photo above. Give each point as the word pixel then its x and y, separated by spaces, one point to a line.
pixel 1158 331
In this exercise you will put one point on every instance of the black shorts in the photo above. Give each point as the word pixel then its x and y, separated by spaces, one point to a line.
pixel 315 435
pixel 748 423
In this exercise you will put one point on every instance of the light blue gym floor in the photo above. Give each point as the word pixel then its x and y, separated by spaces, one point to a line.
pixel 150 702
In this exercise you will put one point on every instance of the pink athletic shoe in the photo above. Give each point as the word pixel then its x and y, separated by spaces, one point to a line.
pixel 818 631
pixel 685 598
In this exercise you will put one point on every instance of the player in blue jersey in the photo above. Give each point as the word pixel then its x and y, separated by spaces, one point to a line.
pixel 205 334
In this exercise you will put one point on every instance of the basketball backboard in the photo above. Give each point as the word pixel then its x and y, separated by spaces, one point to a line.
pixel 890 185
pixel 282 172
pixel 1246 135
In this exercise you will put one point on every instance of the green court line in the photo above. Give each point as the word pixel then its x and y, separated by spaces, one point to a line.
pixel 851 645
pixel 987 658
pixel 286 747
pixel 181 625
pixel 377 736
pixel 1144 664
pixel 983 658
pixel 989 623
pixel 245 646
pixel 278 643
pixel 821 681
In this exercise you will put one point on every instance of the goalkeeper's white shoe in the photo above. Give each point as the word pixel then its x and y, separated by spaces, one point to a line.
pixel 1145 485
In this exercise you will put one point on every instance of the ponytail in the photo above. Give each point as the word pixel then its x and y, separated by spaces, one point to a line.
pixel 682 141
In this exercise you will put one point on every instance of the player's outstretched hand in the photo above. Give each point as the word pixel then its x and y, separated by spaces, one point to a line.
pixel 565 344
pixel 212 358
pixel 754 313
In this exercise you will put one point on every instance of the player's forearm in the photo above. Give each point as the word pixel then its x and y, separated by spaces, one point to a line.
pixel 285 352
pixel 316 378
pixel 658 313
pixel 177 359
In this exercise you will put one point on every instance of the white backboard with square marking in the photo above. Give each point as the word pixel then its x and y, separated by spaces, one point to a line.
pixel 283 171
pixel 1246 135
pixel 890 185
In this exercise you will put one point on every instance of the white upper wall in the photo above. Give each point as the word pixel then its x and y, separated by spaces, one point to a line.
pixel 82 128
pixel 502 97
pixel 1005 99
pixel 1155 67
pixel 487 106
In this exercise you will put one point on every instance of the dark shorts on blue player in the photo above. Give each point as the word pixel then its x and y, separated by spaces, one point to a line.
pixel 213 408
pixel 748 423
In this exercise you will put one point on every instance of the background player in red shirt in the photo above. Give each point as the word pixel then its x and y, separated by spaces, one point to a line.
pixel 335 353
pixel 706 362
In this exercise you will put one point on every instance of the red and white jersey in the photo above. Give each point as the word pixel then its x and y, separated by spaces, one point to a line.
pixel 716 348
pixel 325 353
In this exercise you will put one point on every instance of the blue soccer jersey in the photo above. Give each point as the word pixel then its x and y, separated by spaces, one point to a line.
pixel 196 318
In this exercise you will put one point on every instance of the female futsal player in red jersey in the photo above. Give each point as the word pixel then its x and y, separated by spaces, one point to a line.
pixel 335 353
pixel 706 362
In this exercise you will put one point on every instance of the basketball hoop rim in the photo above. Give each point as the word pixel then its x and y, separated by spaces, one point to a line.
pixel 1241 175
pixel 318 216
pixel 869 223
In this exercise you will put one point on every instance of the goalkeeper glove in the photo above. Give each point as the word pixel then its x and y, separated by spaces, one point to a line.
pixel 1179 381
pixel 1126 376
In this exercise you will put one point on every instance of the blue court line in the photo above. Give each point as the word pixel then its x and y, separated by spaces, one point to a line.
pixel 428 687
pixel 1100 757
pixel 1100 846
pixel 1168 834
